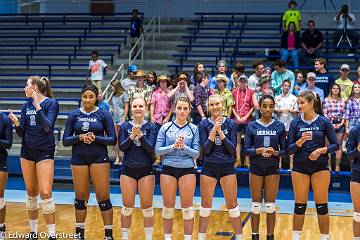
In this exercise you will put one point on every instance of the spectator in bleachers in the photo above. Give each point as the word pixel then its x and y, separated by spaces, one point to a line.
pixel 238 70
pixel 221 69
pixel 286 105
pixel 96 70
pixel 310 85
pixel 151 80
pixel 267 73
pixel 103 104
pixel 199 69
pixel 119 108
pixel 345 22
pixel 279 75
pixel 183 88
pixel 324 79
pixel 334 110
pixel 160 104
pixel 242 112
pixel 290 44
pixel 345 83
pixel 136 29
pixel 265 89
pixel 311 42
pixel 131 79
pixel 225 93
pixel 201 94
pixel 292 15
pixel 352 109
pixel 140 90
pixel 300 82
pixel 255 78
pixel 358 79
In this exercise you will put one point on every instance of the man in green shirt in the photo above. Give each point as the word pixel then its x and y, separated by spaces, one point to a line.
pixel 279 75
pixel 225 93
pixel 292 15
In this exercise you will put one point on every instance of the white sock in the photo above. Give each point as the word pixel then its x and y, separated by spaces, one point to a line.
pixel 124 233
pixel 108 226
pixel 356 238
pixel 33 225
pixel 168 236
pixel 2 224
pixel 201 236
pixel 324 237
pixel 51 229
pixel 148 232
pixel 80 225
pixel 239 236
pixel 187 237
pixel 296 235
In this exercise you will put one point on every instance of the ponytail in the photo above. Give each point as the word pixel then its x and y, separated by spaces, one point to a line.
pixel 43 84
pixel 313 97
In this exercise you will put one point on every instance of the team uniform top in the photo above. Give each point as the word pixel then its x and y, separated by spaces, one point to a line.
pixel 353 153
pixel 321 128
pixel 137 152
pixel 36 127
pixel 81 122
pixel 219 151
pixel 167 136
pixel 258 135
pixel 6 136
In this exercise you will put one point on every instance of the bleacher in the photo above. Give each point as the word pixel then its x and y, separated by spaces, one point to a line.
pixel 57 46
pixel 243 37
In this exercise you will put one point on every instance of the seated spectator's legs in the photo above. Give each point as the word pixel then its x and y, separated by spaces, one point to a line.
pixel 295 57
pixel 304 57
pixel 318 53
pixel 284 54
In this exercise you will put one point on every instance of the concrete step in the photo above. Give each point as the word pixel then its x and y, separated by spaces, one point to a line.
pixel 67 106
pixel 58 92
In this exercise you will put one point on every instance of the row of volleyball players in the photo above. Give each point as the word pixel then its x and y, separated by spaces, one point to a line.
pixel 89 130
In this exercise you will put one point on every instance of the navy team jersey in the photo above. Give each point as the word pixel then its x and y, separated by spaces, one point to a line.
pixel 219 151
pixel 36 127
pixel 321 128
pixel 138 152
pixel 258 135
pixel 353 153
pixel 80 122
pixel 6 136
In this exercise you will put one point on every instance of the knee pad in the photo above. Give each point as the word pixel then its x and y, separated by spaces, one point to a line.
pixel 188 213
pixel 48 206
pixel 256 207
pixel 204 212
pixel 168 213
pixel 2 203
pixel 234 212
pixel 32 203
pixel 105 205
pixel 270 207
pixel 126 211
pixel 148 212
pixel 300 208
pixel 356 217
pixel 80 204
pixel 322 208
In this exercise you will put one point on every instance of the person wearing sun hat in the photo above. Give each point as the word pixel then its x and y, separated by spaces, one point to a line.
pixel 225 93
pixel 140 90
pixel 345 83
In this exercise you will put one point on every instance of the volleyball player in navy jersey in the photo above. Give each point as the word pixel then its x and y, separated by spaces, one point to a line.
pixel 218 136
pixel 6 138
pixel 137 141
pixel 265 143
pixel 89 131
pixel 178 142
pixel 36 126
pixel 353 150
pixel 306 140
